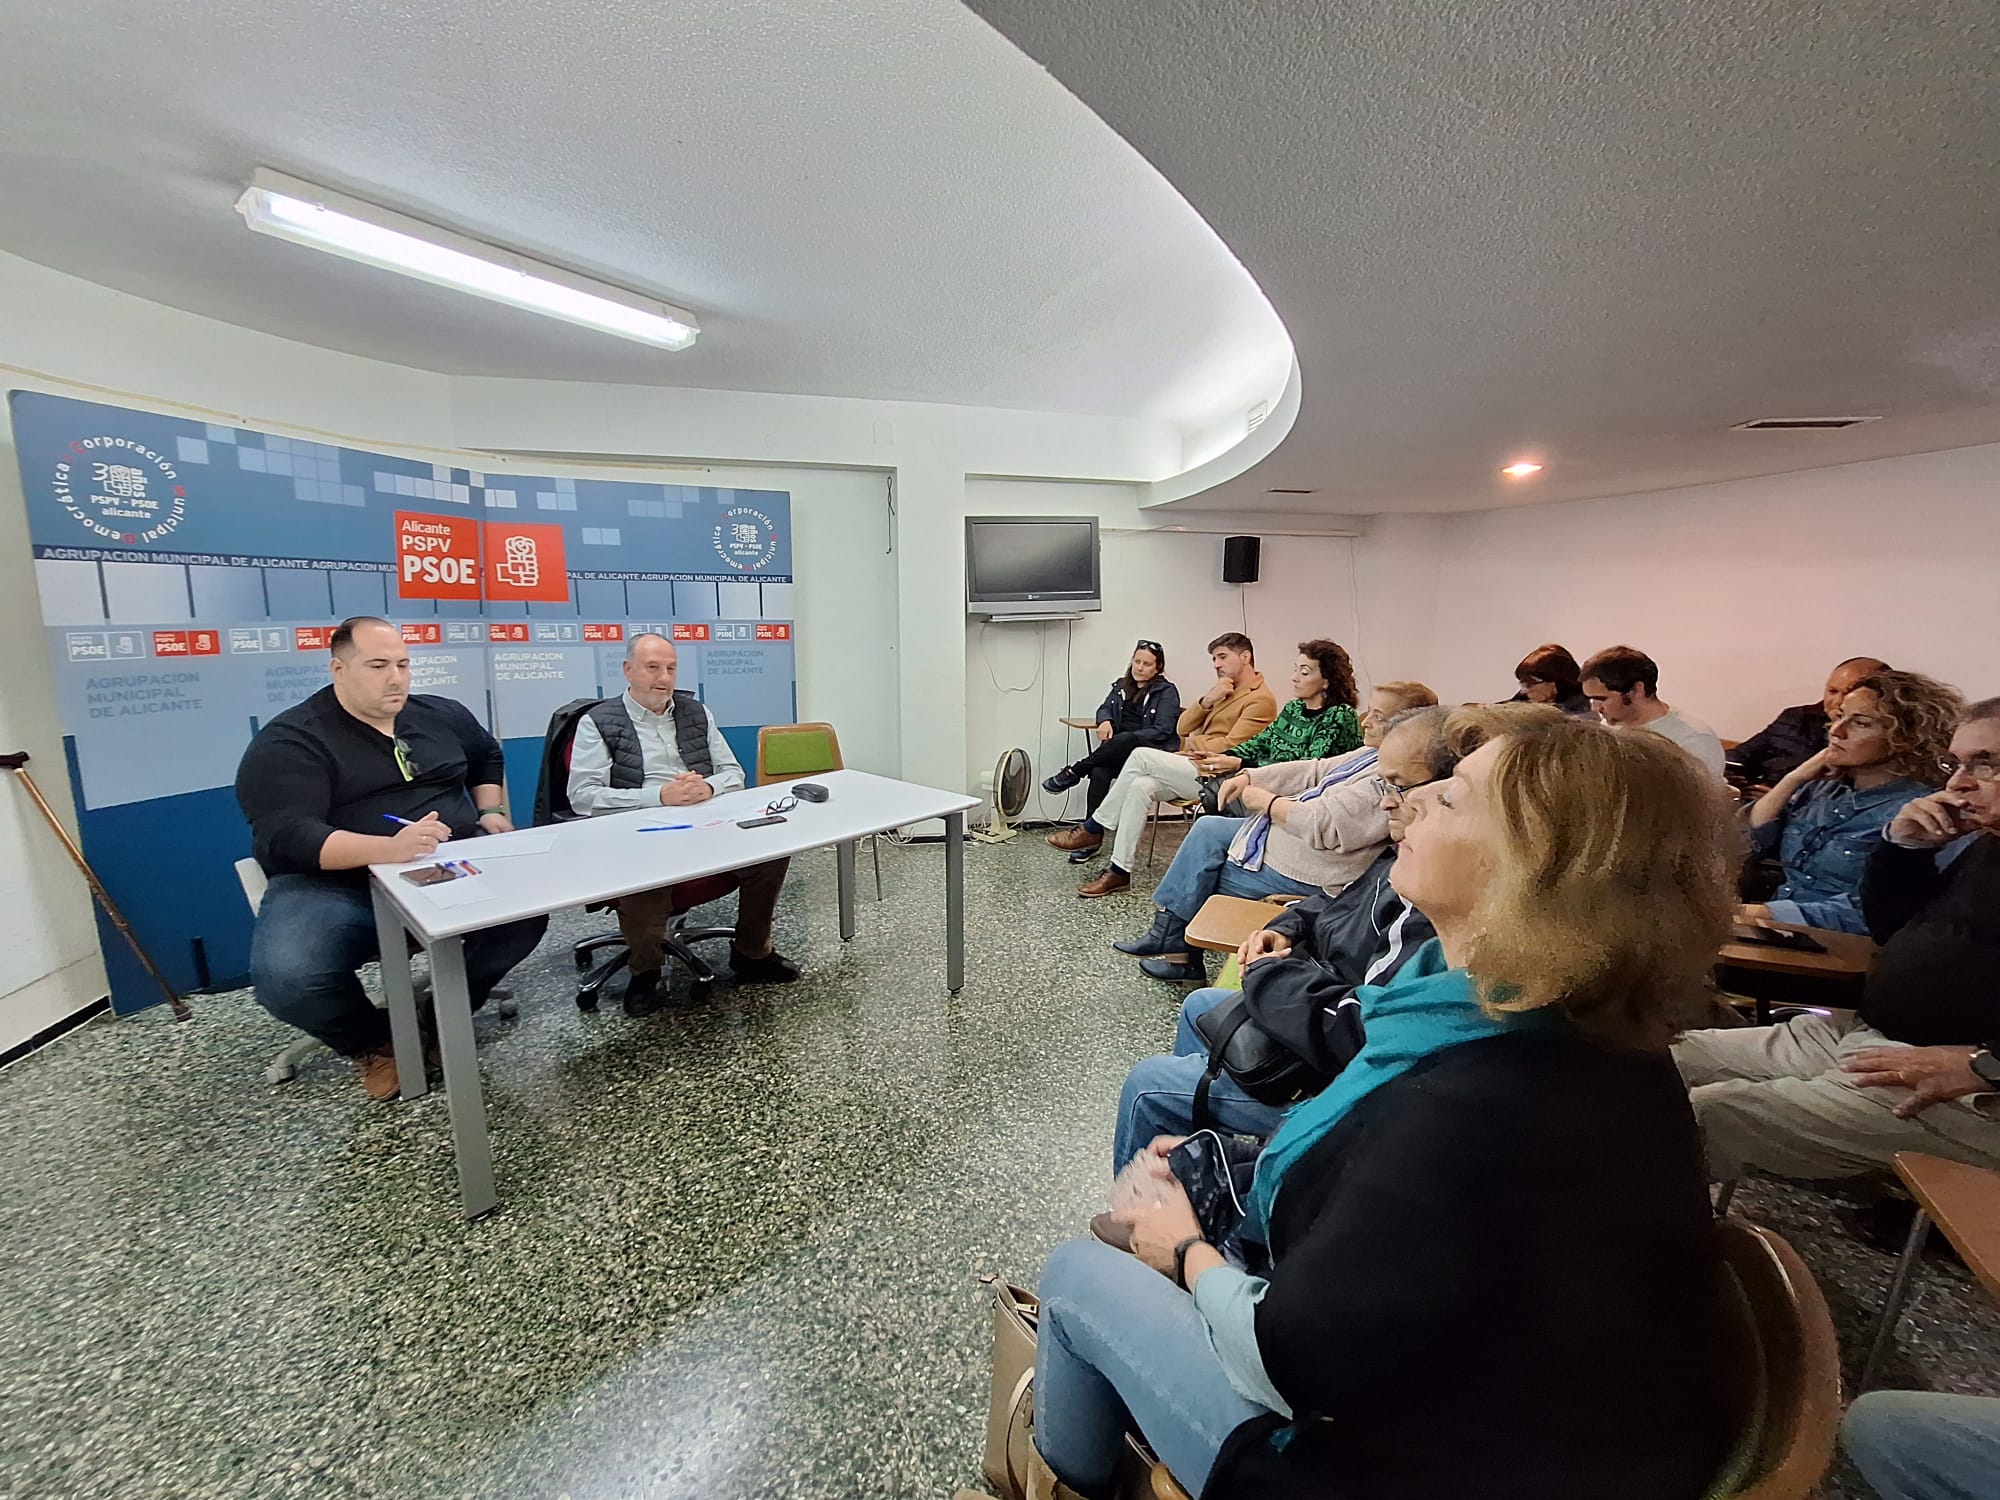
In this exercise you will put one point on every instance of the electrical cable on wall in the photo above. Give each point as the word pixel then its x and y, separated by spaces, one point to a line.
pixel 1360 652
pixel 986 656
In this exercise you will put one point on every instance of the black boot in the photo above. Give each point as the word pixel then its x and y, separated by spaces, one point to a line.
pixel 1167 935
pixel 642 993
pixel 1187 968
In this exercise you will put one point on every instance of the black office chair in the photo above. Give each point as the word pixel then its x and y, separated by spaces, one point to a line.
pixel 601 957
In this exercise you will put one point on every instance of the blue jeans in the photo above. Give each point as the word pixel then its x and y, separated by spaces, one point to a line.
pixel 1202 867
pixel 1119 1345
pixel 1158 1097
pixel 1918 1445
pixel 314 931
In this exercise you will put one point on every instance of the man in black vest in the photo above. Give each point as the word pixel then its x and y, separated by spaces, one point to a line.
pixel 654 747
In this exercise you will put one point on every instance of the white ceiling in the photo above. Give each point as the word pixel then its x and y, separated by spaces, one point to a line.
pixel 877 198
pixel 1597 233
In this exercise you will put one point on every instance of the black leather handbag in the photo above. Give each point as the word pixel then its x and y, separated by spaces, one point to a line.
pixel 1282 1037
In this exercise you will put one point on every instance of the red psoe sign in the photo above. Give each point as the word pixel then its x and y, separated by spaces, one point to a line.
pixel 437 557
pixel 524 563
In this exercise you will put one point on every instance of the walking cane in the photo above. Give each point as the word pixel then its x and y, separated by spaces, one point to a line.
pixel 17 762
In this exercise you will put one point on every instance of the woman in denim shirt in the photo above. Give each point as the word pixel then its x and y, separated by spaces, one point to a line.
pixel 1821 820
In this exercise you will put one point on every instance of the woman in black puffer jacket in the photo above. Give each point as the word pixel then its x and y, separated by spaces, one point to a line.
pixel 1142 708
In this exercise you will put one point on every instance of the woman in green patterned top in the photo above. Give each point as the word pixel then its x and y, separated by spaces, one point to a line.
pixel 1317 724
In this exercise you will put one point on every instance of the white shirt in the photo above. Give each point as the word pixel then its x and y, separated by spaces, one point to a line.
pixel 1692 736
pixel 590 788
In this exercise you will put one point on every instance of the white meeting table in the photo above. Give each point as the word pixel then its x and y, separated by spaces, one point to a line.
pixel 597 859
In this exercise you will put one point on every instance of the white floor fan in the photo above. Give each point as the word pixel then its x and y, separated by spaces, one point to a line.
pixel 1007 784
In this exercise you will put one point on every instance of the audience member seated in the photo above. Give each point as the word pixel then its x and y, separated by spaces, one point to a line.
pixel 324 786
pixel 1915 1068
pixel 1799 733
pixel 1549 674
pixel 1501 1193
pixel 1623 685
pixel 1237 706
pixel 1921 1445
pixel 1319 721
pixel 1313 826
pixel 1826 814
pixel 654 747
pixel 1361 936
pixel 1388 700
pixel 1139 712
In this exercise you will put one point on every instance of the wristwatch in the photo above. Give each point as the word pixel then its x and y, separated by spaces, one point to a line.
pixel 1180 1260
pixel 488 812
pixel 1987 1065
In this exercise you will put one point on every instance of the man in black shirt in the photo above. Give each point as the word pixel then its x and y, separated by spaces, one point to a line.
pixel 1797 734
pixel 363 772
pixel 1916 1068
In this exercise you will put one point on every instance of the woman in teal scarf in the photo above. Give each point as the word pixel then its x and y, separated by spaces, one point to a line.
pixel 1502 1192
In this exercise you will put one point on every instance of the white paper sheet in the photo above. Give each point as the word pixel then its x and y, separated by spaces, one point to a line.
pixel 500 845
pixel 461 892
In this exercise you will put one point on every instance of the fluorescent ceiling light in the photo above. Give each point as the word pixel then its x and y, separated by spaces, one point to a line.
pixel 306 215
pixel 1521 469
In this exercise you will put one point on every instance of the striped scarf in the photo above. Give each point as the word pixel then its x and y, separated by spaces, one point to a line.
pixel 1248 849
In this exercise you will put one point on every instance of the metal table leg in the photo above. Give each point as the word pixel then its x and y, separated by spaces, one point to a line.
pixel 844 864
pixel 401 995
pixel 452 1002
pixel 954 902
pixel 1899 1290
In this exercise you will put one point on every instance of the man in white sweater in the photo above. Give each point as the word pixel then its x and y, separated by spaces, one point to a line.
pixel 1623 685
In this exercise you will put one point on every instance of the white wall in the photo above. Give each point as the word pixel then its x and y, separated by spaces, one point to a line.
pixel 1745 593
pixel 1162 585
pixel 68 336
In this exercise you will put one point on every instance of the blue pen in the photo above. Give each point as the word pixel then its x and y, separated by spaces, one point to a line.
pixel 406 822
pixel 666 827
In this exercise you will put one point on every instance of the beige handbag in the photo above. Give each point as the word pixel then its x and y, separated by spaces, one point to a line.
pixel 1010 1446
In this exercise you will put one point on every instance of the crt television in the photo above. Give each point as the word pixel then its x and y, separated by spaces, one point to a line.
pixel 1031 565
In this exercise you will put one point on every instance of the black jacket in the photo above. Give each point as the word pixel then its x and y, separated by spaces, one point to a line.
pixel 1153 717
pixel 316 769
pixel 1346 932
pixel 1936 982
pixel 1781 746
pixel 1496 1277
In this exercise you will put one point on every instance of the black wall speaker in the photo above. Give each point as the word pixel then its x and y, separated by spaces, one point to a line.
pixel 1239 558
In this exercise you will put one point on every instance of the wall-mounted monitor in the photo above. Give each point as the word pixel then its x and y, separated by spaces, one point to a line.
pixel 1031 565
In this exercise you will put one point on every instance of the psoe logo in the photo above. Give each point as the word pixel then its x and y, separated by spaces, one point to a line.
pixel 746 539
pixel 120 489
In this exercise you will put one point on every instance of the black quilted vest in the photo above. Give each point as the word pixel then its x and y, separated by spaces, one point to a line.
pixel 628 757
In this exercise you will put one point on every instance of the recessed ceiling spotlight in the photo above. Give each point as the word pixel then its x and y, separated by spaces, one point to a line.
pixel 292 210
pixel 1521 469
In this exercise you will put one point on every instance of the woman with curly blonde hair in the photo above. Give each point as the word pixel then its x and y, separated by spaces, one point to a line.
pixel 1502 1188
pixel 1823 818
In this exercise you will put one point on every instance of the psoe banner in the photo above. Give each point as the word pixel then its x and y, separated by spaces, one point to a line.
pixel 191 575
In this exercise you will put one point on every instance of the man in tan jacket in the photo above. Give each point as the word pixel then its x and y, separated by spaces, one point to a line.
pixel 1236 708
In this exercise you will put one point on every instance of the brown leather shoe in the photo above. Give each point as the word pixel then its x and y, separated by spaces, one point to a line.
pixel 1113 879
pixel 1075 839
pixel 1113 1231
pixel 378 1074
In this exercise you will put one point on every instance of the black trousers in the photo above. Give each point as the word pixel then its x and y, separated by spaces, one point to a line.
pixel 1101 767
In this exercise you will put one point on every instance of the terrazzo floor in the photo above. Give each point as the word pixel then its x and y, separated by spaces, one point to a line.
pixel 739 1244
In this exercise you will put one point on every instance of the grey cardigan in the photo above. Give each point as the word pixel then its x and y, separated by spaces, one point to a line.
pixel 1330 840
